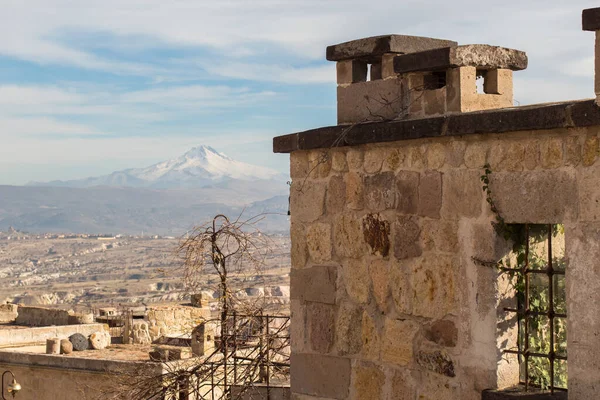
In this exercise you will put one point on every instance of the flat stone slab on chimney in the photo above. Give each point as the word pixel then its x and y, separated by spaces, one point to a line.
pixel 473 55
pixel 590 19
pixel 373 47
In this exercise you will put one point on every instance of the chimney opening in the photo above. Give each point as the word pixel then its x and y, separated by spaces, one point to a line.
pixel 434 80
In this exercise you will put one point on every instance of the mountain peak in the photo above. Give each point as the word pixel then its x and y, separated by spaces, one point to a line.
pixel 202 152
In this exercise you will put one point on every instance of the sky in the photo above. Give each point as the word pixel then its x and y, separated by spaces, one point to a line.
pixel 88 87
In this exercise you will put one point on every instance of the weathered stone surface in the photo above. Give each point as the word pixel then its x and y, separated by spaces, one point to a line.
pixel 590 19
pixel 347 331
pixel 354 191
pixel 476 154
pixel 369 101
pixel 379 191
pixel 440 235
pixel 403 385
pixel 417 157
pixel 299 248
pixel 371 341
pixel 463 194
pixel 367 382
pixel 394 159
pixel 397 341
pixel 507 156
pixel 437 361
pixel 518 394
pixel 551 153
pixel 531 155
pixel 99 340
pixel 407 192
pixel 373 47
pixel 317 284
pixel 572 151
pixel 318 241
pixel 379 272
pixel 439 387
pixel 338 160
pixel 319 375
pixel 400 286
pixel 373 159
pixel 434 285
pixel 590 150
pixel 430 194
pixel 436 155
pixel 319 164
pixel 79 342
pixel 354 158
pixel 298 326
pixel 307 200
pixel 376 232
pixel 348 237
pixel 320 319
pixel 53 346
pixel 357 286
pixel 443 332
pixel 336 195
pixel 455 152
pixel 406 238
pixel 537 197
pixel 474 55
pixel 66 347
pixel 299 165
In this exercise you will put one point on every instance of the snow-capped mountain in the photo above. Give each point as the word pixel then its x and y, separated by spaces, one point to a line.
pixel 200 167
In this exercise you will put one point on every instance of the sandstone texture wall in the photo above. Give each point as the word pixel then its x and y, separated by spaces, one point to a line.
pixel 387 300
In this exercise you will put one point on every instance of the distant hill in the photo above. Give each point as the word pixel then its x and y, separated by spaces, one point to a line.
pixel 166 198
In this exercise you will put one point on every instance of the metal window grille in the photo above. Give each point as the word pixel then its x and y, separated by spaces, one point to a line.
pixel 527 314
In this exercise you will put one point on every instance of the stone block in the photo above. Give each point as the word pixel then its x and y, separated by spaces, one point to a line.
pixel 476 154
pixel 590 19
pixel 319 375
pixel 416 157
pixel 463 194
pixel 572 151
pixel 66 347
pixel 443 332
pixel 434 286
pixel 407 192
pixel 498 81
pixel 348 237
pixel 434 103
pixel 53 346
pixel 318 241
pixel 507 156
pixel 367 381
pixel 316 284
pixel 376 233
pixel 379 272
pixel 590 150
pixel 370 101
pixel 437 361
pixel 298 326
pixel 394 158
pixel 351 71
pixel 319 164
pixel 79 342
pixel 299 248
pixel 307 200
pixel 375 47
pixel 373 159
pixel 348 329
pixel 430 194
pixel 387 66
pixel 473 55
pixel 371 341
pixel 397 341
pixel 355 273
pixel 440 235
pixel 436 155
pixel 100 340
pixel 551 151
pixel 403 385
pixel 355 158
pixel 338 160
pixel 439 387
pixel 406 238
pixel 531 155
pixel 455 153
pixel 354 190
pixel 299 164
pixel 400 286
pixel 336 195
pixel 547 196
pixel 320 318
pixel 379 193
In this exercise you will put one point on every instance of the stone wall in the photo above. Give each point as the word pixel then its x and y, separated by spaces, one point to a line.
pixel 8 313
pixel 32 336
pixel 387 300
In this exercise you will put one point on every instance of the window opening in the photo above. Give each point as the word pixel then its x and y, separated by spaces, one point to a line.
pixel 539 281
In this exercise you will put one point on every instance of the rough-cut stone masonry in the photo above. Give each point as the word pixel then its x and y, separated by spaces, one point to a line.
pixel 388 218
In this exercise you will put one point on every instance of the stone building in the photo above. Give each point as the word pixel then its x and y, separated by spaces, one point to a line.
pixel 389 220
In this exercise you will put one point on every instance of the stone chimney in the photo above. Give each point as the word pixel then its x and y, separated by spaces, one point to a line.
pixel 591 22
pixel 400 77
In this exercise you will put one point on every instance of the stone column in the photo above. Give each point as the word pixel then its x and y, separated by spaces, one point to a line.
pixel 591 22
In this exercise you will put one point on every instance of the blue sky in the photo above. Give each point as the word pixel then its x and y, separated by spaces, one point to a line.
pixel 89 87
